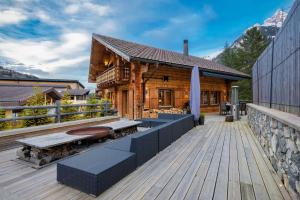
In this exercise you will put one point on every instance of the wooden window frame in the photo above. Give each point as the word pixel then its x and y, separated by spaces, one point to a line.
pixel 172 96
pixel 209 95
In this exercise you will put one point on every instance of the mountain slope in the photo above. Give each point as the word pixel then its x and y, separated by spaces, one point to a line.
pixel 9 73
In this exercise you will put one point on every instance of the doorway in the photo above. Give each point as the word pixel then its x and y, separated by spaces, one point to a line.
pixel 125 103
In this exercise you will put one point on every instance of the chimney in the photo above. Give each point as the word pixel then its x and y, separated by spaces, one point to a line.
pixel 185 47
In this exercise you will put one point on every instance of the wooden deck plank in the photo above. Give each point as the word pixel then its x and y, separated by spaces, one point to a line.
pixel 234 186
pixel 222 179
pixel 260 151
pixel 258 183
pixel 207 191
pixel 197 183
pixel 186 181
pixel 270 184
pixel 247 191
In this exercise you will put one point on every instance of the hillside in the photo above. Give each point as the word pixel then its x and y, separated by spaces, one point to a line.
pixel 9 73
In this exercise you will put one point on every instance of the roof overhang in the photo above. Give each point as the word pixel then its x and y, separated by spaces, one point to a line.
pixel 210 72
pixel 223 76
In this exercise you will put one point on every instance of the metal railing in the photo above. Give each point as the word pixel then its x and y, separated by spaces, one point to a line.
pixel 58 111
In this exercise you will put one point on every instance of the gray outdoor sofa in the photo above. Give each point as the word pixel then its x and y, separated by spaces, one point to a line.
pixel 96 170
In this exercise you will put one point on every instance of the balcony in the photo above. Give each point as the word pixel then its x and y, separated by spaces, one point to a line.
pixel 113 76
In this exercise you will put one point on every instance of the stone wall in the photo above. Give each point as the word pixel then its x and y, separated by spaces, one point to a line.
pixel 281 143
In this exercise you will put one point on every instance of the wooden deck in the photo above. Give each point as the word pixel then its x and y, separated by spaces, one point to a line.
pixel 216 161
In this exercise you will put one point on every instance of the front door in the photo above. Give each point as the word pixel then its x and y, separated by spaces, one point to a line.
pixel 125 103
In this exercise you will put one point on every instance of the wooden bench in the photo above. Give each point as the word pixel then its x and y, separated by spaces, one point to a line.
pixel 41 150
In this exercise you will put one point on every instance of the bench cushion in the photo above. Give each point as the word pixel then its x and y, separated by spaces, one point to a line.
pixel 188 122
pixel 145 145
pixel 122 144
pixel 170 116
pixel 165 136
pixel 96 170
pixel 153 122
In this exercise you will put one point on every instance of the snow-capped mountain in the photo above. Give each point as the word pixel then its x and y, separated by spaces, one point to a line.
pixel 269 28
pixel 276 20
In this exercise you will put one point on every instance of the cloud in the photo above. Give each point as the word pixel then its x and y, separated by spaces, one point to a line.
pixel 87 6
pixel 11 16
pixel 209 53
pixel 49 56
pixel 187 25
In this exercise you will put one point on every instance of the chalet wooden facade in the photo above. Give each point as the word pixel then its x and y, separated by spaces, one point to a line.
pixel 139 78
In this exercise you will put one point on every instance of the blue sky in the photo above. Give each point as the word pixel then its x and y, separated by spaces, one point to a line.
pixel 52 38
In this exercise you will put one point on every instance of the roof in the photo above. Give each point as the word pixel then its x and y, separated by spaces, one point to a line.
pixel 34 85
pixel 44 80
pixel 77 92
pixel 18 95
pixel 134 51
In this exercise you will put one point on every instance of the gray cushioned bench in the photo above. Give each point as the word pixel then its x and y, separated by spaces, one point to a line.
pixel 96 170
pixel 153 122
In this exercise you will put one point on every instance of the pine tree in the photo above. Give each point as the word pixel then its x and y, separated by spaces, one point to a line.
pixel 243 58
pixel 66 100
pixel 36 100
pixel 91 100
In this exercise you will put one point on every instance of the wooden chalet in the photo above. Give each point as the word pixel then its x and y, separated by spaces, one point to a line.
pixel 139 78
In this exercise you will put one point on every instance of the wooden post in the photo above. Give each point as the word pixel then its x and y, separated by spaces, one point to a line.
pixel 272 66
pixel 57 111
pixel 105 108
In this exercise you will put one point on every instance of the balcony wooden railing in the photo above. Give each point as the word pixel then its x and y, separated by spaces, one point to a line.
pixel 110 76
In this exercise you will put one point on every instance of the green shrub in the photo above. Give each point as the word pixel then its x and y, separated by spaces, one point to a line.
pixel 102 106
pixel 36 100
pixel 3 125
pixel 66 100
pixel 91 100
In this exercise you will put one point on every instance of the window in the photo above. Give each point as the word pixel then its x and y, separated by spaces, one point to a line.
pixel 214 98
pixel 204 97
pixel 126 72
pixel 210 98
pixel 165 98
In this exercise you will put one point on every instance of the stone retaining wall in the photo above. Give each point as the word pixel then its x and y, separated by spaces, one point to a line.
pixel 281 142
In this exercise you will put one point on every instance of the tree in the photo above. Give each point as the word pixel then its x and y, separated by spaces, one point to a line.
pixel 36 100
pixel 66 100
pixel 243 58
pixel 103 102
pixel 91 100
pixel 3 125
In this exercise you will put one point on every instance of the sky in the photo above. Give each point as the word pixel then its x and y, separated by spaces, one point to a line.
pixel 52 39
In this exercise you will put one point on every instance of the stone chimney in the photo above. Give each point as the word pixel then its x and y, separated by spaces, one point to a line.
pixel 185 47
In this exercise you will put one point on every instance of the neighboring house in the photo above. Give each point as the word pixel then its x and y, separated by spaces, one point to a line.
pixel 138 78
pixel 59 84
pixel 78 95
pixel 17 95
pixel 76 89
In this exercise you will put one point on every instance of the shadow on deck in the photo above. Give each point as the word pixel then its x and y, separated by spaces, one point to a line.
pixel 216 161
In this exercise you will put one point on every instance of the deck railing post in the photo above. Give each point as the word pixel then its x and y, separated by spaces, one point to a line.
pixel 57 111
pixel 105 108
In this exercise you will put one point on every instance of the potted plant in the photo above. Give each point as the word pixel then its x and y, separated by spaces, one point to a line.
pixel 201 119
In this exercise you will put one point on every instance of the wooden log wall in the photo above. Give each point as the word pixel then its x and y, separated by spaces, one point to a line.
pixel 179 82
pixel 276 73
